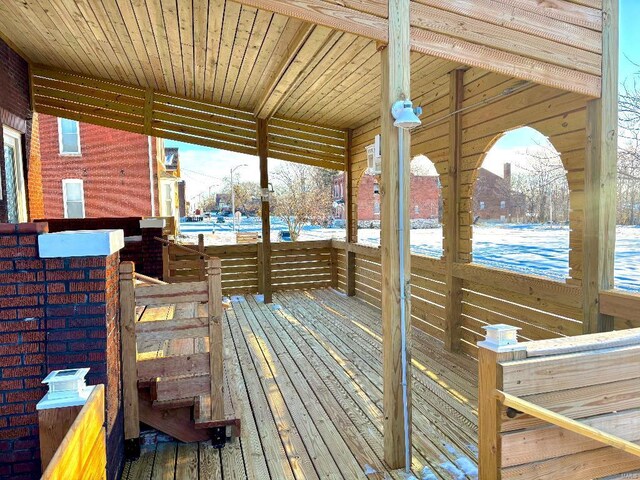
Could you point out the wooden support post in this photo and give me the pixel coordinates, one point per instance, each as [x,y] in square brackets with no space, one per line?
[216,353]
[453,305]
[129,359]
[395,63]
[352,217]
[202,267]
[600,179]
[489,409]
[166,273]
[263,153]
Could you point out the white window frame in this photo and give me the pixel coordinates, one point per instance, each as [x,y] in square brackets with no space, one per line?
[70,154]
[66,182]
[503,204]
[21,192]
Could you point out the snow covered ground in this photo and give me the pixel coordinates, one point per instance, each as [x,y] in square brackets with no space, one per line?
[532,249]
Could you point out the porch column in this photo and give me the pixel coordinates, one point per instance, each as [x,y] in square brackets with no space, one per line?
[395,63]
[351,217]
[453,305]
[600,179]
[263,153]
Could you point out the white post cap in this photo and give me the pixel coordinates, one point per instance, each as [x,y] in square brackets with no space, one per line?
[80,243]
[67,388]
[501,338]
[153,223]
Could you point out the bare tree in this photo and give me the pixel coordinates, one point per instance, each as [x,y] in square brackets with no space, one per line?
[628,210]
[302,196]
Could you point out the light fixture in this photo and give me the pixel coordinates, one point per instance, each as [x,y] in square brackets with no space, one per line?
[406,116]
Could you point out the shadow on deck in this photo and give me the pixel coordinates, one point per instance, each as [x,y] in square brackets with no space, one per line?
[305,377]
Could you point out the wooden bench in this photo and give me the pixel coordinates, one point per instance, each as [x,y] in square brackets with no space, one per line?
[247,237]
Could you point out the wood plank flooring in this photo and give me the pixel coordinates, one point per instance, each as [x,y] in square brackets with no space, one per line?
[305,376]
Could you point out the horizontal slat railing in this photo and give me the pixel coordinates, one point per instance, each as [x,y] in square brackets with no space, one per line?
[560,408]
[541,308]
[294,265]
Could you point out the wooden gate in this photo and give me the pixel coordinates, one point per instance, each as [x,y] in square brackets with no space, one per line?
[192,382]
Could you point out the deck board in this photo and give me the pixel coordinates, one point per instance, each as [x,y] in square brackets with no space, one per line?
[305,378]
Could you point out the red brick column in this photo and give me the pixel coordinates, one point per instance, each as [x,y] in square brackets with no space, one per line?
[22,349]
[57,311]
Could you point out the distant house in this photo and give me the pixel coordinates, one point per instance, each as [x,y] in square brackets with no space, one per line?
[493,198]
[94,171]
[424,201]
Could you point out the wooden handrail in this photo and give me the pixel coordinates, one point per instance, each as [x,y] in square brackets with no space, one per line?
[567,423]
[182,247]
[146,279]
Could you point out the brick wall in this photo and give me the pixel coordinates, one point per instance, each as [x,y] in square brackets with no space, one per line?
[424,198]
[114,166]
[22,349]
[15,111]
[55,313]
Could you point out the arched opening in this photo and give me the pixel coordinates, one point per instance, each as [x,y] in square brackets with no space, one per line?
[425,208]
[520,206]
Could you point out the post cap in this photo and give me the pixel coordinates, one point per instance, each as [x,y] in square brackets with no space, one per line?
[67,388]
[501,337]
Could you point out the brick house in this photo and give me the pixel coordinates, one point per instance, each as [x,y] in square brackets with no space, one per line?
[20,181]
[94,171]
[493,197]
[425,197]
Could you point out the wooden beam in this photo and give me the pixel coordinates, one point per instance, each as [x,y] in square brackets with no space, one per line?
[453,305]
[351,212]
[395,64]
[129,357]
[263,153]
[272,96]
[600,179]
[361,21]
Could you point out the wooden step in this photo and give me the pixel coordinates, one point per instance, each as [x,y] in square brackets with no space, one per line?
[202,416]
[176,422]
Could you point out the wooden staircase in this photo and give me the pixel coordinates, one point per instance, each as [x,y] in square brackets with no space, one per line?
[172,349]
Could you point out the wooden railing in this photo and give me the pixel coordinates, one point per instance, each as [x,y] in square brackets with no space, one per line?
[82,451]
[541,308]
[294,265]
[560,408]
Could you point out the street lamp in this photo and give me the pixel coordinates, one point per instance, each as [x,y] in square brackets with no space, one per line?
[233,196]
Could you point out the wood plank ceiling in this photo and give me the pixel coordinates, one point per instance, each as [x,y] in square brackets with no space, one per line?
[265,63]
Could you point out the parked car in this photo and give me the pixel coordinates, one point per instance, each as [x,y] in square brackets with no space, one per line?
[220,219]
[284,236]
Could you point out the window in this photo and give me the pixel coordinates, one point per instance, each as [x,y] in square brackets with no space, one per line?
[73,198]
[416,209]
[481,205]
[69,136]
[503,204]
[376,208]
[15,196]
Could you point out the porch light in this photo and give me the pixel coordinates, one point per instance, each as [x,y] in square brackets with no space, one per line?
[501,335]
[406,116]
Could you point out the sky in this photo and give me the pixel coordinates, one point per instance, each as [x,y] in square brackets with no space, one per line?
[205,167]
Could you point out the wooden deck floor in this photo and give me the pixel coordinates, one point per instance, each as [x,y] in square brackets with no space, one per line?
[305,375]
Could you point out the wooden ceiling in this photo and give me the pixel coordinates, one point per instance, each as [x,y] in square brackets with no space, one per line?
[271,64]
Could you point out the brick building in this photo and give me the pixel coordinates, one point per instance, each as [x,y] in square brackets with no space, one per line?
[20,187]
[425,197]
[94,171]
[493,198]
